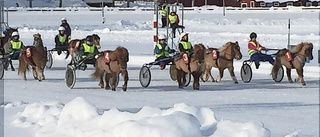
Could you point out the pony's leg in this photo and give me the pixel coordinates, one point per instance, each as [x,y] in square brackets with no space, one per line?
[231,70]
[300,74]
[125,76]
[209,72]
[220,74]
[12,68]
[196,83]
[107,78]
[179,78]
[40,73]
[288,70]
[35,74]
[101,84]
[114,79]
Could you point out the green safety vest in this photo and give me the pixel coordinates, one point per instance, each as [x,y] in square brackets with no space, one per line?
[252,51]
[186,45]
[87,48]
[165,53]
[173,19]
[16,45]
[164,10]
[62,38]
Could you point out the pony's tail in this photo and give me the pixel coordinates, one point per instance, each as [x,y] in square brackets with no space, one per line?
[98,72]
[23,65]
[277,63]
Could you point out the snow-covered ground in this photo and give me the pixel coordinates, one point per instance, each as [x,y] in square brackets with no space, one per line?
[261,108]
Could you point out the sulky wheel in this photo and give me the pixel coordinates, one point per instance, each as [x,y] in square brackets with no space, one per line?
[117,81]
[173,72]
[145,76]
[49,60]
[70,76]
[246,73]
[1,69]
[188,79]
[279,75]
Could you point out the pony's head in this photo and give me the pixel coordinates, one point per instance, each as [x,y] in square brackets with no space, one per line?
[37,39]
[304,48]
[236,50]
[122,56]
[231,50]
[96,40]
[199,52]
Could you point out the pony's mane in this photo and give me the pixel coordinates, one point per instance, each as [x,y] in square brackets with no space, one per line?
[224,47]
[298,48]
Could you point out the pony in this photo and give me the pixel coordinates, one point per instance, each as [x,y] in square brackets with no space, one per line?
[193,64]
[6,38]
[76,43]
[110,64]
[35,56]
[222,58]
[294,59]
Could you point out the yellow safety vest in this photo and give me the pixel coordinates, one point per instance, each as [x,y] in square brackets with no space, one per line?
[165,53]
[87,48]
[16,45]
[186,45]
[252,51]
[164,10]
[62,38]
[173,19]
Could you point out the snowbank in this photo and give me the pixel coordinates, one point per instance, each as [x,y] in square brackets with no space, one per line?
[82,119]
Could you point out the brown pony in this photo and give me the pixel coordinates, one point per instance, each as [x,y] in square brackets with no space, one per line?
[35,56]
[298,56]
[195,66]
[222,58]
[75,44]
[110,64]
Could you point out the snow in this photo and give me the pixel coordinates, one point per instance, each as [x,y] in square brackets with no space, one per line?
[261,108]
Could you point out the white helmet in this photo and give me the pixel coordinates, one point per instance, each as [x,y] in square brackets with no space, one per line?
[162,36]
[61,28]
[183,34]
[15,34]
[63,19]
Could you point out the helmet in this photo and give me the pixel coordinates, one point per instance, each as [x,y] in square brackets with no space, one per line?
[15,34]
[61,28]
[63,19]
[162,36]
[89,38]
[253,35]
[183,34]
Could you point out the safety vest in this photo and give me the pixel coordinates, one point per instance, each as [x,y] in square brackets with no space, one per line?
[87,48]
[165,53]
[164,10]
[252,51]
[186,45]
[173,19]
[63,38]
[16,45]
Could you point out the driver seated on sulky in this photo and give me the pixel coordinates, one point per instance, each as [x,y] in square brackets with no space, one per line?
[87,51]
[162,51]
[15,46]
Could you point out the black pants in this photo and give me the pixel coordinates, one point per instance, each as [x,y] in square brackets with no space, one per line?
[164,21]
[174,26]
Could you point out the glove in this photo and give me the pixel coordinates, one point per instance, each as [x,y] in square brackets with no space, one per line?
[173,51]
[259,48]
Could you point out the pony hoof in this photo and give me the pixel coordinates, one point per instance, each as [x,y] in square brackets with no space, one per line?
[107,88]
[124,89]
[236,82]
[303,84]
[13,70]
[101,86]
[113,89]
[196,88]
[181,87]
